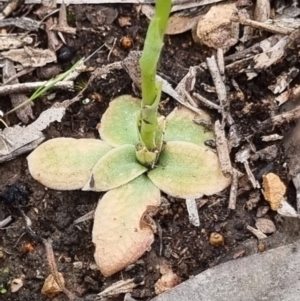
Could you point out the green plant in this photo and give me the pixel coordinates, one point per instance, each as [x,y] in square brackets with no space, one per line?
[47,86]
[3,275]
[140,155]
[150,131]
[71,20]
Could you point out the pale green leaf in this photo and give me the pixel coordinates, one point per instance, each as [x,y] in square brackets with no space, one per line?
[187,170]
[181,127]
[65,163]
[121,234]
[119,122]
[116,168]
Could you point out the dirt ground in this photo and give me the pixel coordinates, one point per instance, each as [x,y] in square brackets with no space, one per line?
[185,248]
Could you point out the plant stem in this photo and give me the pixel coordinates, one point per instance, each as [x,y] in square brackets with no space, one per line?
[151,90]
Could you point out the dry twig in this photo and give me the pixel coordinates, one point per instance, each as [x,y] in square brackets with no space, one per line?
[280,119]
[117,288]
[242,156]
[24,23]
[192,209]
[24,113]
[220,61]
[62,25]
[259,25]
[9,8]
[207,103]
[256,232]
[54,271]
[222,149]
[259,47]
[29,87]
[5,222]
[233,190]
[19,74]
[220,88]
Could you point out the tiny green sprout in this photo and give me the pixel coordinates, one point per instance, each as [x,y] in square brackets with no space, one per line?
[2,289]
[3,275]
[1,119]
[80,85]
[140,154]
[71,18]
[46,87]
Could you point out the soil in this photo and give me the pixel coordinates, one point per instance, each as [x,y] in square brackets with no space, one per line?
[185,248]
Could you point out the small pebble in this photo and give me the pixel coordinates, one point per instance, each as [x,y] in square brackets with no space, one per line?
[216,239]
[127,42]
[16,284]
[261,247]
[50,287]
[93,267]
[77,265]
[65,54]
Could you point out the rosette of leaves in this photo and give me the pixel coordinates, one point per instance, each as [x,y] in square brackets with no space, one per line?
[186,168]
[140,155]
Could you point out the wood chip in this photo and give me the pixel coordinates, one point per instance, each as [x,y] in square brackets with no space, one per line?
[287,210]
[233,190]
[167,281]
[222,149]
[24,23]
[256,232]
[265,225]
[283,80]
[119,287]
[50,287]
[13,41]
[192,209]
[262,10]
[30,57]
[17,140]
[262,210]
[274,190]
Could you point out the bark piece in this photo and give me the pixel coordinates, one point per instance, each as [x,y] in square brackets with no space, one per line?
[24,113]
[30,57]
[274,190]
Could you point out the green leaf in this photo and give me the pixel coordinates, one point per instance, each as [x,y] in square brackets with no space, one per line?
[181,127]
[120,234]
[65,163]
[119,122]
[116,168]
[186,170]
